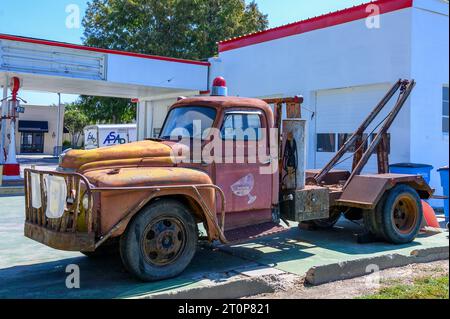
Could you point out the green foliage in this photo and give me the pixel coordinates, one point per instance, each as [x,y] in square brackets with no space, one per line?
[423,288]
[75,121]
[186,29]
[106,110]
[177,28]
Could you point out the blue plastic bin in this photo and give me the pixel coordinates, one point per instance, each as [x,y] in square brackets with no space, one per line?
[444,182]
[413,169]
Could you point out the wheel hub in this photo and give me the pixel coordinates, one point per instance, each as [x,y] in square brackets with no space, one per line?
[405,214]
[163,241]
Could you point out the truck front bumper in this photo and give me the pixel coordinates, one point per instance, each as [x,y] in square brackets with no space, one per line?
[75,229]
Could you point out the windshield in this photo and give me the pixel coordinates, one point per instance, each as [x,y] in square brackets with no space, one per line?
[188,122]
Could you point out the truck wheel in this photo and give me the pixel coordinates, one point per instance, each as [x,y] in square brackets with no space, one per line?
[328,223]
[400,216]
[370,222]
[160,241]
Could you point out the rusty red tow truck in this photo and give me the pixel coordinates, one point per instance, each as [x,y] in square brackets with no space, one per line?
[146,199]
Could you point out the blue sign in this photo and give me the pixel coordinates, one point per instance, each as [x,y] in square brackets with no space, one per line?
[113,138]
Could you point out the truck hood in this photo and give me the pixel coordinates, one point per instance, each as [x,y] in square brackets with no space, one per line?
[127,154]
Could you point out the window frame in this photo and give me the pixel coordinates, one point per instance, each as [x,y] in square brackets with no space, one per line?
[261,122]
[187,106]
[335,143]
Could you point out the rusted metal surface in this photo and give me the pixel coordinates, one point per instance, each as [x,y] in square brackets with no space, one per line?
[60,240]
[310,203]
[285,100]
[76,228]
[359,142]
[357,136]
[216,230]
[121,180]
[63,233]
[77,185]
[383,155]
[406,87]
[222,103]
[365,191]
[334,177]
[75,159]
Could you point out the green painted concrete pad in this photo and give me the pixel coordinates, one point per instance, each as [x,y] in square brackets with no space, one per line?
[31,270]
[296,251]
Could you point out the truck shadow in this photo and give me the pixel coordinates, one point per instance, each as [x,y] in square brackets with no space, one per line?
[298,249]
[294,251]
[102,278]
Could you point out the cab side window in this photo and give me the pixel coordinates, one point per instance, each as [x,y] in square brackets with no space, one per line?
[241,127]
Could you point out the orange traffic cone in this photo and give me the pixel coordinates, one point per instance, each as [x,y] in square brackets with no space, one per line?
[429,215]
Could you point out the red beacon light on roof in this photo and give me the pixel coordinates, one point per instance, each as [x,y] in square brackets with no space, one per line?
[219,87]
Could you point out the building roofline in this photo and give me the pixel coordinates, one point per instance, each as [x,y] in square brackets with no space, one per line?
[315,23]
[100,50]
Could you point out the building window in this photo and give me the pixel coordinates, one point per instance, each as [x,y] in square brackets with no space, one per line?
[344,137]
[445,112]
[32,142]
[326,143]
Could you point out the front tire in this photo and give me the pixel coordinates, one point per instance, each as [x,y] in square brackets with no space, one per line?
[160,241]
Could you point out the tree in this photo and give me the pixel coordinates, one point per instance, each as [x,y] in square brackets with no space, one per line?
[177,28]
[106,110]
[75,121]
[186,29]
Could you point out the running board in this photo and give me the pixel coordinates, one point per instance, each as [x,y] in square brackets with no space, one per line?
[244,234]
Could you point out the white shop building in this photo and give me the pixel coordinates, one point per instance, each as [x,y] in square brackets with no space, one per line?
[343,63]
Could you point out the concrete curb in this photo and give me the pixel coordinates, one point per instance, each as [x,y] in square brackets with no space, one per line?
[229,290]
[356,268]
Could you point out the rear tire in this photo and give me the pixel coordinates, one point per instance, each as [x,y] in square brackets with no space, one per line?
[372,221]
[160,241]
[399,216]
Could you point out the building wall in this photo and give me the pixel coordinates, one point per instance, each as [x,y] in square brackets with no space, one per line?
[43,113]
[430,68]
[345,56]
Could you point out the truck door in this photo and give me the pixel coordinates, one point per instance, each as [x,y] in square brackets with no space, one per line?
[246,189]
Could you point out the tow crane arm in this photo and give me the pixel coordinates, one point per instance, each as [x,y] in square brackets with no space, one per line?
[380,142]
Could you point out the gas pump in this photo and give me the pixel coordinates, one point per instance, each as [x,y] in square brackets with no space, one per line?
[11,168]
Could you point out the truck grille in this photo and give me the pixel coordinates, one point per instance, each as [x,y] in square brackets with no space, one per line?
[77,223]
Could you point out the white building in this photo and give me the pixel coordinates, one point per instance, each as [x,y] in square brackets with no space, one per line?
[343,63]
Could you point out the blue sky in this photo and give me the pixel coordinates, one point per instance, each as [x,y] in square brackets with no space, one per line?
[46,19]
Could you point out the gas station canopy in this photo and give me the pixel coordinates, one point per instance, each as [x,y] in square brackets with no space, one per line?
[74,69]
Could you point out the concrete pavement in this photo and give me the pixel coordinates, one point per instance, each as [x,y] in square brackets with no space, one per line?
[31,270]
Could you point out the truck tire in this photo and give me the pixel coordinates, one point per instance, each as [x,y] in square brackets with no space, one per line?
[399,216]
[328,223]
[159,242]
[372,220]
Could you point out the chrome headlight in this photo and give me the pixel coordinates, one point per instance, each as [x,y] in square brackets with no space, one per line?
[61,156]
